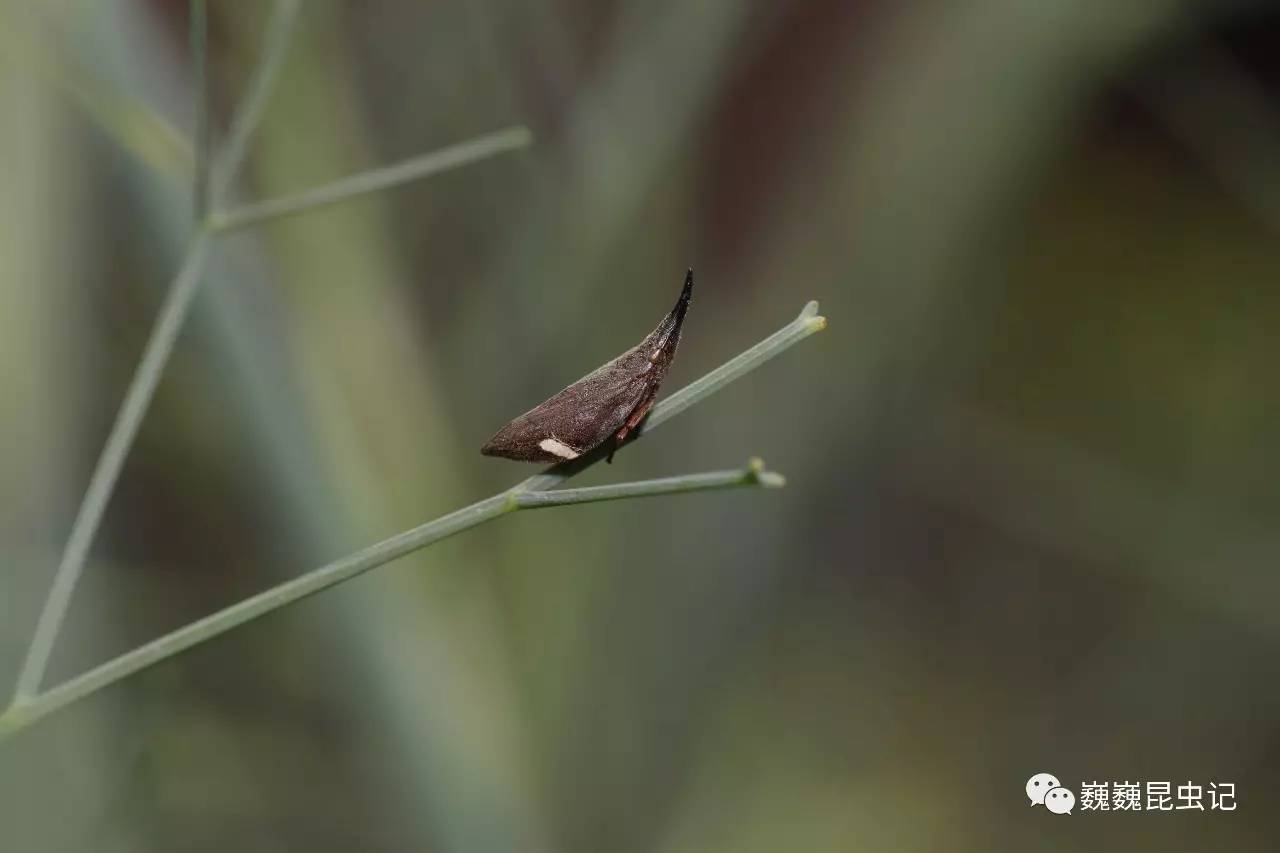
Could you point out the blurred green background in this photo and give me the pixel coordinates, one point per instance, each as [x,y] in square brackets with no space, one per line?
[1033,467]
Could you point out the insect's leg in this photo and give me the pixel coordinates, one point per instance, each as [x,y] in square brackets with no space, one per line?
[619,437]
[633,420]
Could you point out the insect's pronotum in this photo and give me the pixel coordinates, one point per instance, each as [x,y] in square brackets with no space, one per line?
[609,402]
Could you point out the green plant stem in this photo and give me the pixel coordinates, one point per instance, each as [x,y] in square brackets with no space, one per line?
[199,41]
[125,429]
[146,377]
[250,110]
[415,168]
[28,711]
[156,355]
[177,304]
[30,707]
[665,486]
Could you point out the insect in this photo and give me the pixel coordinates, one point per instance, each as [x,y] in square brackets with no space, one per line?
[609,402]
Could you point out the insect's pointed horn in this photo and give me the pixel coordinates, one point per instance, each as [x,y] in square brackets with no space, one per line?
[686,295]
[670,325]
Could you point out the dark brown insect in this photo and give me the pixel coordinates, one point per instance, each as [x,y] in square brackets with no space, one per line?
[608,402]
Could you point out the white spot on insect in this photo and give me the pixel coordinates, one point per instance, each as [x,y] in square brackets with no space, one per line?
[654,356]
[556,447]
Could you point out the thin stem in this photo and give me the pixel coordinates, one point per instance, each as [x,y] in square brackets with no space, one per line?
[27,712]
[751,476]
[136,400]
[173,315]
[251,109]
[28,708]
[805,324]
[374,180]
[199,40]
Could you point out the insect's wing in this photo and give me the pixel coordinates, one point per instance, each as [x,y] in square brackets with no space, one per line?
[579,418]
